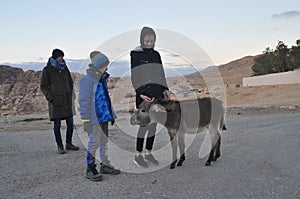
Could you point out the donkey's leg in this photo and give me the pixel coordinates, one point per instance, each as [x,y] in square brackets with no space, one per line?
[181,143]
[210,157]
[214,136]
[218,145]
[217,148]
[173,139]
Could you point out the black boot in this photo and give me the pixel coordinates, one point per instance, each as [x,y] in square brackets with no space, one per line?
[70,146]
[61,149]
[92,173]
[107,168]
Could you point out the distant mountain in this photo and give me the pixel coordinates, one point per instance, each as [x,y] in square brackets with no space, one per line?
[73,65]
[116,69]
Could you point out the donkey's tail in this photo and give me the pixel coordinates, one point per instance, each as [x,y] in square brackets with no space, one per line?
[222,124]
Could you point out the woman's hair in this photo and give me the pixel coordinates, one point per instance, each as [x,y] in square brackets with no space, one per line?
[146,31]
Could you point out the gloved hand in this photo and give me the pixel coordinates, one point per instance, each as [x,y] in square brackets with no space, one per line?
[87,126]
[112,122]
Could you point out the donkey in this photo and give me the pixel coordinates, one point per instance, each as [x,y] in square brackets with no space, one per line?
[188,116]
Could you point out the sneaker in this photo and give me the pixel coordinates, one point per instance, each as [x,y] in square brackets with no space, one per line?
[140,162]
[107,168]
[61,149]
[150,158]
[70,146]
[92,173]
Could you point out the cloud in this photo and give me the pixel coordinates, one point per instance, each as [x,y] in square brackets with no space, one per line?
[287,14]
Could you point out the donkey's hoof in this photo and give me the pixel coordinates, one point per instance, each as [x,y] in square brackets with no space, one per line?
[216,157]
[180,163]
[207,164]
[172,166]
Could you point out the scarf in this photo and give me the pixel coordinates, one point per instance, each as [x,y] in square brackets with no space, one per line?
[59,65]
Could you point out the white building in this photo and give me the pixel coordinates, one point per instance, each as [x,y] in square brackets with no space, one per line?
[290,77]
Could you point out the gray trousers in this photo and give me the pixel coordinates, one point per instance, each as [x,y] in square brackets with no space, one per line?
[98,138]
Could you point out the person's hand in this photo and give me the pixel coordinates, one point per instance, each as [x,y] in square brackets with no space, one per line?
[87,126]
[112,122]
[49,98]
[147,99]
[167,95]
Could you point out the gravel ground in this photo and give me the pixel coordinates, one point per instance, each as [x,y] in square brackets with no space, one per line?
[260,159]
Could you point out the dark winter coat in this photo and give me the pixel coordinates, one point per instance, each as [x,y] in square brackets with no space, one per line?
[147,74]
[57,86]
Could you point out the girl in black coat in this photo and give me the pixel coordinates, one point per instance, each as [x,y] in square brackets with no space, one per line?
[149,82]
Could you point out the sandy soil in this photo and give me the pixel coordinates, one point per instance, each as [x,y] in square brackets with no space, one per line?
[260,159]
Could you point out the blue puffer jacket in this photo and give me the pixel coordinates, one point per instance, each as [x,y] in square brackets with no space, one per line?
[94,101]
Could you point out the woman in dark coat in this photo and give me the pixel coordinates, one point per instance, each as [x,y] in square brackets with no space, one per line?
[57,86]
[149,82]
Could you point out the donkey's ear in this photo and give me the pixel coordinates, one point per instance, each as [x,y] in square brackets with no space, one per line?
[158,108]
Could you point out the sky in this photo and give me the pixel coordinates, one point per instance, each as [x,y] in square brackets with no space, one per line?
[225,30]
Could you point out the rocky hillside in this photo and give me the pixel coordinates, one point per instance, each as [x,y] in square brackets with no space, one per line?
[232,73]
[20,91]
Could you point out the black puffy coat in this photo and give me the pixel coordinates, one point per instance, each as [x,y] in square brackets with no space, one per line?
[147,74]
[57,86]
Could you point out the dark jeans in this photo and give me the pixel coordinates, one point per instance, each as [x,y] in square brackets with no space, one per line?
[150,137]
[57,125]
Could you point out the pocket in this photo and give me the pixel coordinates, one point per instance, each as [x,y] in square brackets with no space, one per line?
[58,100]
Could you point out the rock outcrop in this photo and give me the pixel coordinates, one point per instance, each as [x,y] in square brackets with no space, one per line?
[20,91]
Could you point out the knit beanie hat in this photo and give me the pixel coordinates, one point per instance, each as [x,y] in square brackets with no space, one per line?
[57,53]
[98,60]
[146,31]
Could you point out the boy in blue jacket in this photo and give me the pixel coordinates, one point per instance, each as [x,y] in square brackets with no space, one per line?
[96,111]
